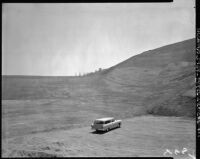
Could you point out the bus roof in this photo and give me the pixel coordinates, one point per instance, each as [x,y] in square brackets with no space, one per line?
[105,119]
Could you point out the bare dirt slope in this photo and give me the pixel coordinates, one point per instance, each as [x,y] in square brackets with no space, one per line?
[139,136]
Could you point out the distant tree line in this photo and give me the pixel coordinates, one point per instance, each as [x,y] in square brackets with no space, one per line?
[85,74]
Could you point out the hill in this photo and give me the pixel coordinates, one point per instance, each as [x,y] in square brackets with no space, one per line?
[160,82]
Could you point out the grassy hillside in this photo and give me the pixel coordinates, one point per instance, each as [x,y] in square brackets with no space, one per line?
[159,82]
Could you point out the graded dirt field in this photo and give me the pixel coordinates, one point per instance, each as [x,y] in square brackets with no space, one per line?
[139,136]
[159,82]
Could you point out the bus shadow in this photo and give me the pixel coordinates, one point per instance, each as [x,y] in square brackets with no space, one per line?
[99,132]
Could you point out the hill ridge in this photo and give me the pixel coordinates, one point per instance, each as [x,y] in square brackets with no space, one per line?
[163,78]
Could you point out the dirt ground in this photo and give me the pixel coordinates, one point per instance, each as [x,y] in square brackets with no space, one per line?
[139,136]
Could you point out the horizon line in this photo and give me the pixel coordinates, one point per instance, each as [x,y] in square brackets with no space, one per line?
[89,73]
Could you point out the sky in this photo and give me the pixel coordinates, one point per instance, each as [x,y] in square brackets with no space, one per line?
[71,38]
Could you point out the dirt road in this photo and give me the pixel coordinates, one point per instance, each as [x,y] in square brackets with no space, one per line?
[139,136]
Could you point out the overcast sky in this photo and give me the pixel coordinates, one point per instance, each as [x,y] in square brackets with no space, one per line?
[64,39]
